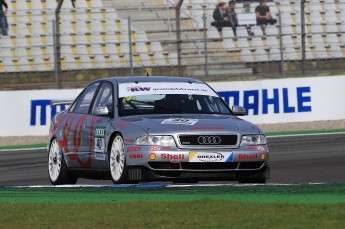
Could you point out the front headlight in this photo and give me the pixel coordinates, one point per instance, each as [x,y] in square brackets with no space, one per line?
[250,140]
[155,140]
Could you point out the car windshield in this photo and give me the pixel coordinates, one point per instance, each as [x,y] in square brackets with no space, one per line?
[171,104]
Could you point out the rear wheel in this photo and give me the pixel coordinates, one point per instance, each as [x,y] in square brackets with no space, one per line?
[259,178]
[117,161]
[57,168]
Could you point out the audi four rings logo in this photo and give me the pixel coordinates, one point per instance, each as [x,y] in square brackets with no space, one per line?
[209,140]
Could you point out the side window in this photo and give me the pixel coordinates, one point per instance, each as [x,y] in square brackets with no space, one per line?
[83,104]
[104,97]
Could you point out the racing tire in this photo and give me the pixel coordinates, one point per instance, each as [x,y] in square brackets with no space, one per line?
[259,178]
[117,161]
[57,167]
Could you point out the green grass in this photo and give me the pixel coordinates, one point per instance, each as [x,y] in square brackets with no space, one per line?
[263,206]
[191,214]
[40,145]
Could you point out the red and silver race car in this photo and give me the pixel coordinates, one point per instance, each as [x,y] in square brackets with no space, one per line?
[133,129]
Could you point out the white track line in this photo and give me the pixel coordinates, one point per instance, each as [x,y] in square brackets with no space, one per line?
[167,186]
[23,149]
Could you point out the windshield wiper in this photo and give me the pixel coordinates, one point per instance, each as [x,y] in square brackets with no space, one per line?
[159,106]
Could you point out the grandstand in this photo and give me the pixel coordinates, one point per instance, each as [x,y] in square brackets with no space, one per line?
[94,36]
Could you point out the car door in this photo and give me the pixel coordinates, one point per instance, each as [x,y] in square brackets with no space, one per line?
[77,126]
[98,130]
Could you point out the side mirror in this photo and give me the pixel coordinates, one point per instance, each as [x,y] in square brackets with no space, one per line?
[238,110]
[101,111]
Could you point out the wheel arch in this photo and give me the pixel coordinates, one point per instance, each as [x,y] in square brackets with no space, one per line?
[111,138]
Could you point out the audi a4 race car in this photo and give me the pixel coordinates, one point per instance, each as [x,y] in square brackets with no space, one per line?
[134,129]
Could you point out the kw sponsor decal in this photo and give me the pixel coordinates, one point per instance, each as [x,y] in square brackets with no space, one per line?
[180,121]
[133,149]
[99,148]
[210,157]
[155,148]
[138,88]
[135,156]
[169,156]
[243,156]
[165,148]
[250,147]
[129,140]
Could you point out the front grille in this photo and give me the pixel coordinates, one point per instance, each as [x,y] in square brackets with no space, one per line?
[194,166]
[208,140]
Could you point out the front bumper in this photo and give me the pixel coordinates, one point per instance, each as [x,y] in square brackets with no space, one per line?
[159,163]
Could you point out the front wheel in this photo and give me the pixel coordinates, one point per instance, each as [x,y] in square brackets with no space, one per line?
[117,161]
[57,168]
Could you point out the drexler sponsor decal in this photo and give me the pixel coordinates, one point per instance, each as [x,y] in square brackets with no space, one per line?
[210,157]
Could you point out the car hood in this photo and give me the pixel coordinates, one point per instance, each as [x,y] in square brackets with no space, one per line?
[197,124]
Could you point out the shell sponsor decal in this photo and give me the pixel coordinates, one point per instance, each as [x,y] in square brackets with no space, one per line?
[210,157]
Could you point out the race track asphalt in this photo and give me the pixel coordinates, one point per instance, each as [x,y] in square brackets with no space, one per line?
[294,159]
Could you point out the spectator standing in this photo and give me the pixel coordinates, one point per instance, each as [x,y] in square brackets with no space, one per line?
[246,10]
[232,16]
[219,15]
[3,19]
[264,16]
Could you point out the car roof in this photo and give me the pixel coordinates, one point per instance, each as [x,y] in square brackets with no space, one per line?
[139,79]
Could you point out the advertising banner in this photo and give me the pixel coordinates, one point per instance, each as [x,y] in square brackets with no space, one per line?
[28,113]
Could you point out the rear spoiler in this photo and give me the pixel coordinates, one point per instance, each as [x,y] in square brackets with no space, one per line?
[61,102]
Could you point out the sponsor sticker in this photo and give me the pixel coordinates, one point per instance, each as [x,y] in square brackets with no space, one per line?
[155,148]
[210,157]
[129,140]
[133,149]
[180,121]
[135,156]
[99,148]
[174,157]
[144,88]
[260,148]
[243,156]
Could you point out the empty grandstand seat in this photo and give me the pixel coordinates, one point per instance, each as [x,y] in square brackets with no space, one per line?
[321,52]
[212,33]
[257,42]
[159,59]
[246,55]
[260,55]
[156,46]
[100,62]
[172,58]
[242,42]
[335,51]
[228,43]
[275,54]
[290,54]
